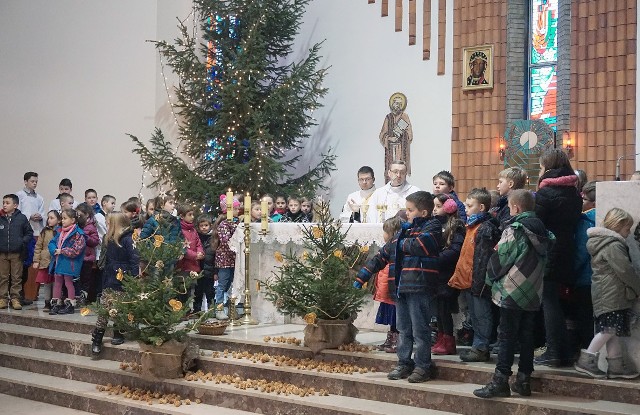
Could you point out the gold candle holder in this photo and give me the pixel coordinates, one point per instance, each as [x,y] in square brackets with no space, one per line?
[247,319]
[381,212]
[233,313]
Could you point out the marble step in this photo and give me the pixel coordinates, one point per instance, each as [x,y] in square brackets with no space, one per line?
[61,368]
[546,380]
[83,397]
[372,388]
[20,406]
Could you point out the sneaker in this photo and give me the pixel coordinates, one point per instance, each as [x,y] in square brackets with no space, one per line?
[418,376]
[475,355]
[3,303]
[15,304]
[400,372]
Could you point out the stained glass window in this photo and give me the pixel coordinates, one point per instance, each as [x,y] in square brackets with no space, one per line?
[543,61]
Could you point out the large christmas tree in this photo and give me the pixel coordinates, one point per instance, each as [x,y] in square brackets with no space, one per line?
[244,108]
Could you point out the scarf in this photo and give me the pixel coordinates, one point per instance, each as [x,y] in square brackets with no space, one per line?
[64,233]
[477,218]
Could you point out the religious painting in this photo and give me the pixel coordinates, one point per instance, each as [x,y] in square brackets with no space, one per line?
[477,67]
[396,134]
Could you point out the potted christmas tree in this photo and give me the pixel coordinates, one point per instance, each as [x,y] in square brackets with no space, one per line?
[317,284]
[149,310]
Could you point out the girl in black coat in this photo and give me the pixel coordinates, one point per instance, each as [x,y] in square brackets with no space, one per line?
[558,205]
[446,210]
[121,254]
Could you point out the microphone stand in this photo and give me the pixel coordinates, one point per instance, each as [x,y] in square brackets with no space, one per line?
[618,164]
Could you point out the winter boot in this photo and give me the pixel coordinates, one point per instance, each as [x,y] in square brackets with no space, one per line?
[438,342]
[588,364]
[68,308]
[56,306]
[96,343]
[47,306]
[387,342]
[621,368]
[522,384]
[497,388]
[118,337]
[393,347]
[447,345]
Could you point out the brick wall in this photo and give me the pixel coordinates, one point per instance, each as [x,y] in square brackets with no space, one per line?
[478,116]
[596,85]
[603,85]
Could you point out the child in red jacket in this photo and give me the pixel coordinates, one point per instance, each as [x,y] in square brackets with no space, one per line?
[193,246]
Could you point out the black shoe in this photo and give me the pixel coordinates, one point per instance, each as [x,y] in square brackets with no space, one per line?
[475,355]
[400,372]
[547,359]
[418,376]
[47,306]
[68,308]
[497,388]
[118,338]
[24,301]
[522,384]
[96,343]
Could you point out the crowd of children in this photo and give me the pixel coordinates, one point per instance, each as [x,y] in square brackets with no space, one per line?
[525,266]
[528,265]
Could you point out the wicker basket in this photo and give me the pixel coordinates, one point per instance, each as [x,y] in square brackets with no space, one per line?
[213,329]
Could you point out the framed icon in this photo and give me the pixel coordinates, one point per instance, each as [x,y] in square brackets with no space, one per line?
[477,67]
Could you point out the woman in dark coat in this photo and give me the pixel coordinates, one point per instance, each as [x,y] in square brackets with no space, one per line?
[558,205]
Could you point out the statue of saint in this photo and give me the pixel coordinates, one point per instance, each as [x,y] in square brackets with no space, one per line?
[396,134]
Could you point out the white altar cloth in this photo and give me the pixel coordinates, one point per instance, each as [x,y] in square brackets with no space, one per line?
[283,237]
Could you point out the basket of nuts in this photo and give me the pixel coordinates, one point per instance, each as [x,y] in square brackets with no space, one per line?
[213,328]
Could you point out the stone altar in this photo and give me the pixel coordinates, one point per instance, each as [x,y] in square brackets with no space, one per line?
[285,237]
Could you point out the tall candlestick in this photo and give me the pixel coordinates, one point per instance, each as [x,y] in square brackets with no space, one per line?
[264,211]
[247,208]
[229,201]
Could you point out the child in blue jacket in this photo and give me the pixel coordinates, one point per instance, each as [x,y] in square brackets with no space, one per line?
[413,257]
[67,253]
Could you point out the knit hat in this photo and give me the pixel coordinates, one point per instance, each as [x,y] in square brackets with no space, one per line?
[223,203]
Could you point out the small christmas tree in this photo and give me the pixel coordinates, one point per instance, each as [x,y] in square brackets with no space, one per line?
[318,284]
[148,309]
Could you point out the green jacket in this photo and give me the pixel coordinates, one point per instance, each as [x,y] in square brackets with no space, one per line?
[516,270]
[614,284]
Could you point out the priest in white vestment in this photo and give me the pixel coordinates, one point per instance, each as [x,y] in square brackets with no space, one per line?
[386,201]
[356,207]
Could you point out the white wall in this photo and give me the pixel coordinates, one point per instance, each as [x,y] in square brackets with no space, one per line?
[75,77]
[369,62]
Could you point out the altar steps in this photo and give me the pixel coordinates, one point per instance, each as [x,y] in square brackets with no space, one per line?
[28,352]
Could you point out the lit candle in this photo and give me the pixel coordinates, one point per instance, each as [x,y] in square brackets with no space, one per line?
[247,208]
[264,210]
[229,201]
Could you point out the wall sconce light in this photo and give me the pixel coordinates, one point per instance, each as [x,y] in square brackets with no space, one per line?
[502,151]
[568,145]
